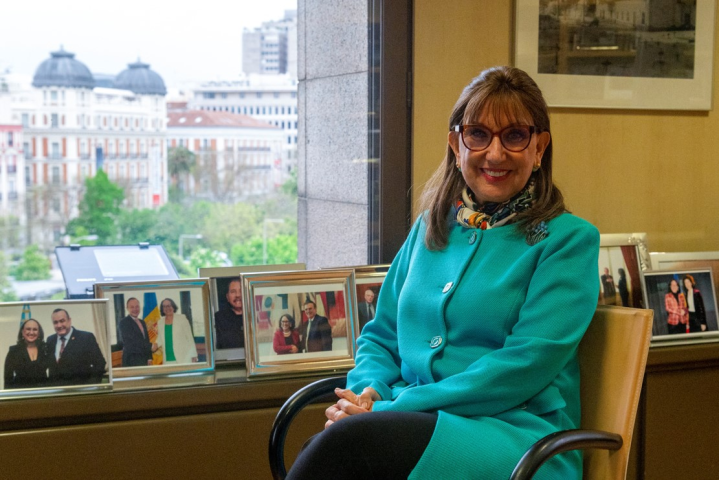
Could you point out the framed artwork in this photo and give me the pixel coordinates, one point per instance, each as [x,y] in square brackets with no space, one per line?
[618,54]
[299,322]
[54,347]
[158,327]
[368,281]
[687,261]
[684,304]
[620,270]
[227,308]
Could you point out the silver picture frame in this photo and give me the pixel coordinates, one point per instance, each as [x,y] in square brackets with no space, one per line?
[276,298]
[79,365]
[191,332]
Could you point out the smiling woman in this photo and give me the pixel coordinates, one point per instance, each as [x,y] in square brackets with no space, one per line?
[477,295]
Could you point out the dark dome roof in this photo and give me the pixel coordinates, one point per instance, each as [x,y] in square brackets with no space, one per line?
[62,70]
[141,80]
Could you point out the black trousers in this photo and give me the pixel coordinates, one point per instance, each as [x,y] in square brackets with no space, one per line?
[376,445]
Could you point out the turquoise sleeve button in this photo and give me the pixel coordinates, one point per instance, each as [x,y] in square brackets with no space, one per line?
[473,238]
[447,287]
[435,342]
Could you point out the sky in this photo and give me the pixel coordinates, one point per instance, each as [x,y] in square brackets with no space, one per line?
[183,42]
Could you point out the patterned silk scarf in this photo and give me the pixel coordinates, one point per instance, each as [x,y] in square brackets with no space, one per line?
[491,215]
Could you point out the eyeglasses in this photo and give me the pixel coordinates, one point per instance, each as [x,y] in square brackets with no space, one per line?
[514,138]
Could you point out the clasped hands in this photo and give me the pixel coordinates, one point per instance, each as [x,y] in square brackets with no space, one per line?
[350,403]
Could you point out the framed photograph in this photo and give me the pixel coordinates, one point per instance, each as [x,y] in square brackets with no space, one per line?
[226,300]
[687,261]
[54,347]
[299,322]
[158,327]
[618,54]
[368,281]
[684,304]
[620,270]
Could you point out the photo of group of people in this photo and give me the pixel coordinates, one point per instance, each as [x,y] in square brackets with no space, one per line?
[683,302]
[53,344]
[620,278]
[157,325]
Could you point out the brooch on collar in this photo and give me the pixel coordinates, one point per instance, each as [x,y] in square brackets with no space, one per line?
[537,234]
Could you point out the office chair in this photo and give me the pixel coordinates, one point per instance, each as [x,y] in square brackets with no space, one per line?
[612,357]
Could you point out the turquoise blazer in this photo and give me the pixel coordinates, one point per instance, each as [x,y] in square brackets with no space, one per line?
[485,333]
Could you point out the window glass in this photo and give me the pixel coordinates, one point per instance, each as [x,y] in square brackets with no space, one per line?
[196,168]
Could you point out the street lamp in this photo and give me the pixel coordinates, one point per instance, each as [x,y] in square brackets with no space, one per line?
[264,236]
[195,236]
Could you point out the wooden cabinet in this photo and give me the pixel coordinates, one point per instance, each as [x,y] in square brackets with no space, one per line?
[217,430]
[677,429]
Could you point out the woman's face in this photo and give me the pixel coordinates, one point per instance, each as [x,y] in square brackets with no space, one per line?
[674,286]
[495,174]
[285,324]
[167,308]
[688,284]
[30,331]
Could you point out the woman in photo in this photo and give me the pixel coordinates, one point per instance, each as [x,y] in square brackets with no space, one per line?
[676,306]
[27,362]
[695,305]
[286,338]
[472,354]
[174,335]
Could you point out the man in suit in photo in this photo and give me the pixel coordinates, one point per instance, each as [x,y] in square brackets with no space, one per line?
[316,333]
[136,347]
[366,308]
[77,356]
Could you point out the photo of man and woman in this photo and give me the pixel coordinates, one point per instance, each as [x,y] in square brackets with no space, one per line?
[53,344]
[153,326]
[300,325]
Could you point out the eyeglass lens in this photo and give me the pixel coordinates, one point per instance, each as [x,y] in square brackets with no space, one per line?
[514,138]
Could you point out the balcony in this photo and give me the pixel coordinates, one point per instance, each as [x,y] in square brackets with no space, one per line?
[12,196]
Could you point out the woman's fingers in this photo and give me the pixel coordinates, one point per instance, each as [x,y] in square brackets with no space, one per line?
[367,398]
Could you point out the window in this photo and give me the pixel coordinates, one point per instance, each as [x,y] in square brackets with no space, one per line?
[56,205]
[55,175]
[55,151]
[208,95]
[24,120]
[9,139]
[53,95]
[26,150]
[53,120]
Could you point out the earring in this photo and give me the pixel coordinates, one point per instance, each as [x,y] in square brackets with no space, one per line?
[536,167]
[459,168]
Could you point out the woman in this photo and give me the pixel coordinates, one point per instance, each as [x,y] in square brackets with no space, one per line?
[676,306]
[27,362]
[622,287]
[472,354]
[174,335]
[695,305]
[286,338]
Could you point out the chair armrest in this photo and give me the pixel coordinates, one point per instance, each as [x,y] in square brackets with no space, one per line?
[559,442]
[287,413]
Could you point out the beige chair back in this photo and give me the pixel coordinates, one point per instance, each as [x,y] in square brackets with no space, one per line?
[612,357]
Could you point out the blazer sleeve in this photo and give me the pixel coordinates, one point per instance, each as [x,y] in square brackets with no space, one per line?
[97,361]
[699,307]
[559,305]
[377,360]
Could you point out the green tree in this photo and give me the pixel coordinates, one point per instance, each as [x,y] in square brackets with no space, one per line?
[180,163]
[138,225]
[33,265]
[226,225]
[7,294]
[99,209]
[289,188]
[205,258]
[280,249]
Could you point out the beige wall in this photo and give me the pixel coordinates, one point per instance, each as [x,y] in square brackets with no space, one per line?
[623,170]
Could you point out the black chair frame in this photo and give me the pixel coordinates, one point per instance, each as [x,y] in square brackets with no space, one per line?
[527,466]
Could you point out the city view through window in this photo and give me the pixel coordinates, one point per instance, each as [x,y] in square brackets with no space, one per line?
[145,122]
